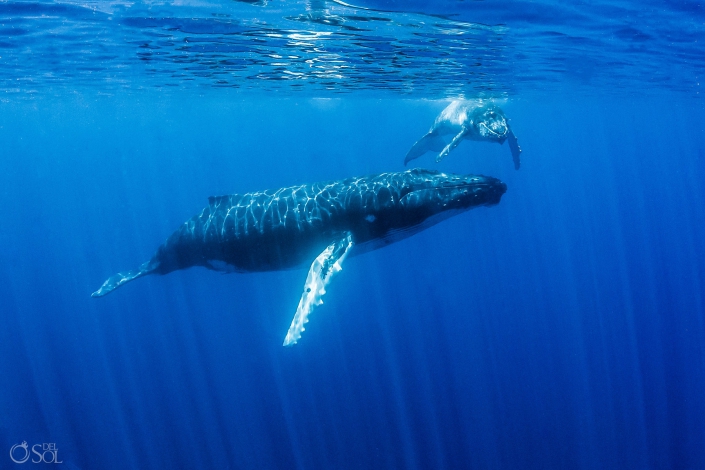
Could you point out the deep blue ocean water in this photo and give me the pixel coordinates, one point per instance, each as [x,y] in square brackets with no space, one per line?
[561,329]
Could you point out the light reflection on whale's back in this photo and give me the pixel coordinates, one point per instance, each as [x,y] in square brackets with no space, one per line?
[284,228]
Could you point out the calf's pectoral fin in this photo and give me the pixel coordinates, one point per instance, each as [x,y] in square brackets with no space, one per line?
[514,147]
[324,267]
[453,143]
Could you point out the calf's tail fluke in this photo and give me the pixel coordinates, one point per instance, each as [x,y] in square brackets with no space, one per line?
[429,142]
[119,279]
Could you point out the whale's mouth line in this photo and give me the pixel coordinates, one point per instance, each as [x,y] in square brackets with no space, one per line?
[462,187]
[473,184]
[493,132]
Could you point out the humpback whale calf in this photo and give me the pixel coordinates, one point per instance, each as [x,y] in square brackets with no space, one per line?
[286,228]
[466,119]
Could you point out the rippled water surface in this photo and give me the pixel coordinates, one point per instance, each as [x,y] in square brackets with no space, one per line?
[443,48]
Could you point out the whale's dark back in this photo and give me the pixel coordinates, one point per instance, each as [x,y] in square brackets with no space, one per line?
[284,228]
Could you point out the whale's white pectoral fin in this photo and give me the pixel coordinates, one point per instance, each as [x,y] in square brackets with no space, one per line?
[324,267]
[453,143]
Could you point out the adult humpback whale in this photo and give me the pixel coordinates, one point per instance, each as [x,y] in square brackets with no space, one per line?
[287,227]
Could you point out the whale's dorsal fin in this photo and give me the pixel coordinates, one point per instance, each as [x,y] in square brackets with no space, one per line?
[324,267]
[214,200]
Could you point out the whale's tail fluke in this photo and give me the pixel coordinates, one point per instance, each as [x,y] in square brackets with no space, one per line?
[119,279]
[428,143]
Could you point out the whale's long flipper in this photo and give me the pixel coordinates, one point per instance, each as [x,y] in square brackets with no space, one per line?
[119,279]
[324,267]
[453,143]
[430,142]
[514,147]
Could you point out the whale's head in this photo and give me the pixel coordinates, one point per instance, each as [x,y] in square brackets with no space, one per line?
[490,123]
[399,205]
[436,192]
